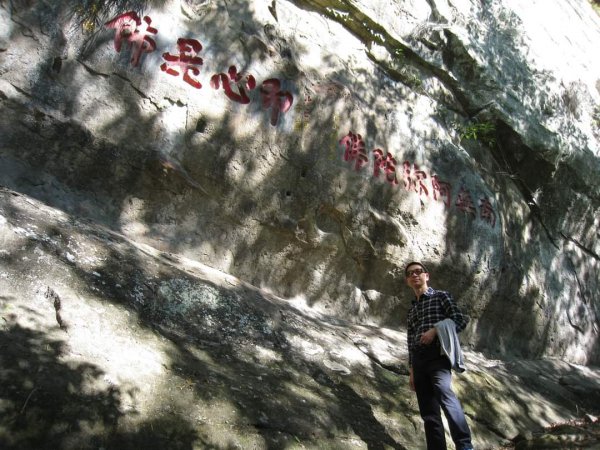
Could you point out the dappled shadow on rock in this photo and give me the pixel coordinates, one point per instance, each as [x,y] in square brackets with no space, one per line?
[233,367]
[357,413]
[47,403]
[288,400]
[162,432]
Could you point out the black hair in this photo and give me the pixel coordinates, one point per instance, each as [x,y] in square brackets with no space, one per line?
[412,264]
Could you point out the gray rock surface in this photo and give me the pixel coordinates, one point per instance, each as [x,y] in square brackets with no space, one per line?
[491,110]
[464,91]
[110,343]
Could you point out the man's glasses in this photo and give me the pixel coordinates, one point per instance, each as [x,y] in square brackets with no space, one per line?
[410,273]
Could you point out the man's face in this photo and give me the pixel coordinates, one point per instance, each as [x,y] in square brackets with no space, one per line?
[416,276]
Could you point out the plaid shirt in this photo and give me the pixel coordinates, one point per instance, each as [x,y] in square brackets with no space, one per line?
[432,307]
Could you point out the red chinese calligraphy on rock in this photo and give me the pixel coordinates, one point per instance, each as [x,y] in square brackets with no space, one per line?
[441,189]
[273,97]
[185,62]
[406,176]
[386,164]
[131,29]
[487,212]
[464,202]
[355,150]
[233,76]
[414,178]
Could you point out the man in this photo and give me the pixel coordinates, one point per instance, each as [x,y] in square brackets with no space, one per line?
[430,369]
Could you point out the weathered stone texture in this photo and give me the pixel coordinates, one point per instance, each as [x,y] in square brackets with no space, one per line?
[484,95]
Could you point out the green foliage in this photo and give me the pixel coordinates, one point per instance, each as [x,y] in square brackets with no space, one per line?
[411,78]
[91,14]
[485,132]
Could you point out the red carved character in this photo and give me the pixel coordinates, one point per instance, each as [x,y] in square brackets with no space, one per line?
[233,76]
[464,202]
[406,176]
[413,179]
[185,62]
[130,28]
[386,164]
[487,212]
[273,97]
[355,150]
[441,189]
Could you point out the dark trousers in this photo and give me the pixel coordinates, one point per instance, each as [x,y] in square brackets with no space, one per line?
[433,376]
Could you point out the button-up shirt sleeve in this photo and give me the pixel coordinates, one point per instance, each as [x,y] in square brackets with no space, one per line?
[432,307]
[453,312]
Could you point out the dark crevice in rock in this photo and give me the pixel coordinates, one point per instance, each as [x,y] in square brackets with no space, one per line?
[581,288]
[482,108]
[175,102]
[402,76]
[435,14]
[397,369]
[412,80]
[574,325]
[529,171]
[201,125]
[582,293]
[92,71]
[104,75]
[487,425]
[57,64]
[29,33]
[370,32]
[21,91]
[583,248]
[138,91]
[468,72]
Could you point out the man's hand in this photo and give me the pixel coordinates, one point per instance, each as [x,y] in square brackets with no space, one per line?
[412,380]
[428,337]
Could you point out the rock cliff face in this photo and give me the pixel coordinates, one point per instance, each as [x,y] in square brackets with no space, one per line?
[106,342]
[313,148]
